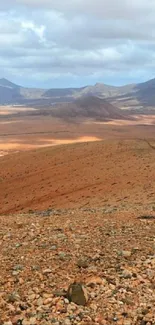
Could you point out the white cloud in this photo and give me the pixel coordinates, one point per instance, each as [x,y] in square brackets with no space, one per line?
[38,30]
[77,38]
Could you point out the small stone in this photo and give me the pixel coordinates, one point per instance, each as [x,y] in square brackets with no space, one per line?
[14,273]
[19,322]
[32,296]
[13,297]
[71,308]
[25,322]
[54,248]
[92,281]
[33,321]
[48,301]
[127,322]
[62,256]
[40,302]
[60,307]
[47,271]
[126,274]
[61,236]
[67,321]
[83,263]
[35,268]
[18,245]
[77,293]
[18,268]
[125,253]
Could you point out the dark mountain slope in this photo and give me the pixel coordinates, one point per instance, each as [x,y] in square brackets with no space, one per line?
[88,107]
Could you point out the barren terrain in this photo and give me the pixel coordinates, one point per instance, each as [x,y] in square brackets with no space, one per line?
[111,252]
[92,174]
[18,133]
[81,212]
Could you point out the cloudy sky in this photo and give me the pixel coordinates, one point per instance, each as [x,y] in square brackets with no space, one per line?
[63,43]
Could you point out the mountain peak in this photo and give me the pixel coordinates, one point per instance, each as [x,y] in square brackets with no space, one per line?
[99,84]
[6,83]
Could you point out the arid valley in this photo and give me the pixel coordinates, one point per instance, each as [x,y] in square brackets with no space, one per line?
[77,207]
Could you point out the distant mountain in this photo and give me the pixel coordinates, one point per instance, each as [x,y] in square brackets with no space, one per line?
[6,83]
[88,107]
[146,93]
[139,97]
[62,92]
[11,93]
[150,84]
[98,89]
[134,96]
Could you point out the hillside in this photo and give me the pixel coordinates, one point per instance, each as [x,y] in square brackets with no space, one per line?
[88,107]
[77,234]
[88,174]
[11,93]
[146,92]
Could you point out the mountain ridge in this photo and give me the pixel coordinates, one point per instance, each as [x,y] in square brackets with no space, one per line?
[126,96]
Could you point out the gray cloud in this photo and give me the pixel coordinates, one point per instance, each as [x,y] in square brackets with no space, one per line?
[102,8]
[79,39]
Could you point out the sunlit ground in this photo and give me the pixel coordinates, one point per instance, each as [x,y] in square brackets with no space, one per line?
[30,132]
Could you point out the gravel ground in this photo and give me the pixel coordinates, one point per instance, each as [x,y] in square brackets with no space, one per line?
[110,252]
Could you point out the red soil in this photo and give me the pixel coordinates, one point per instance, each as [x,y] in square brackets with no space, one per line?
[18,133]
[82,175]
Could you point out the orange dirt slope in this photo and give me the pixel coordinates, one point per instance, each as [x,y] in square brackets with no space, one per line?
[91,174]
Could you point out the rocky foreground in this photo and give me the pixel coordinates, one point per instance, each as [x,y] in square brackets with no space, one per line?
[108,255]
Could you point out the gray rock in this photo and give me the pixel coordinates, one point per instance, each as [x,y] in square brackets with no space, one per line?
[18,267]
[62,256]
[13,297]
[83,263]
[77,293]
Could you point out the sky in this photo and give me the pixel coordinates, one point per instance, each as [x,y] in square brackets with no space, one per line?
[72,43]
